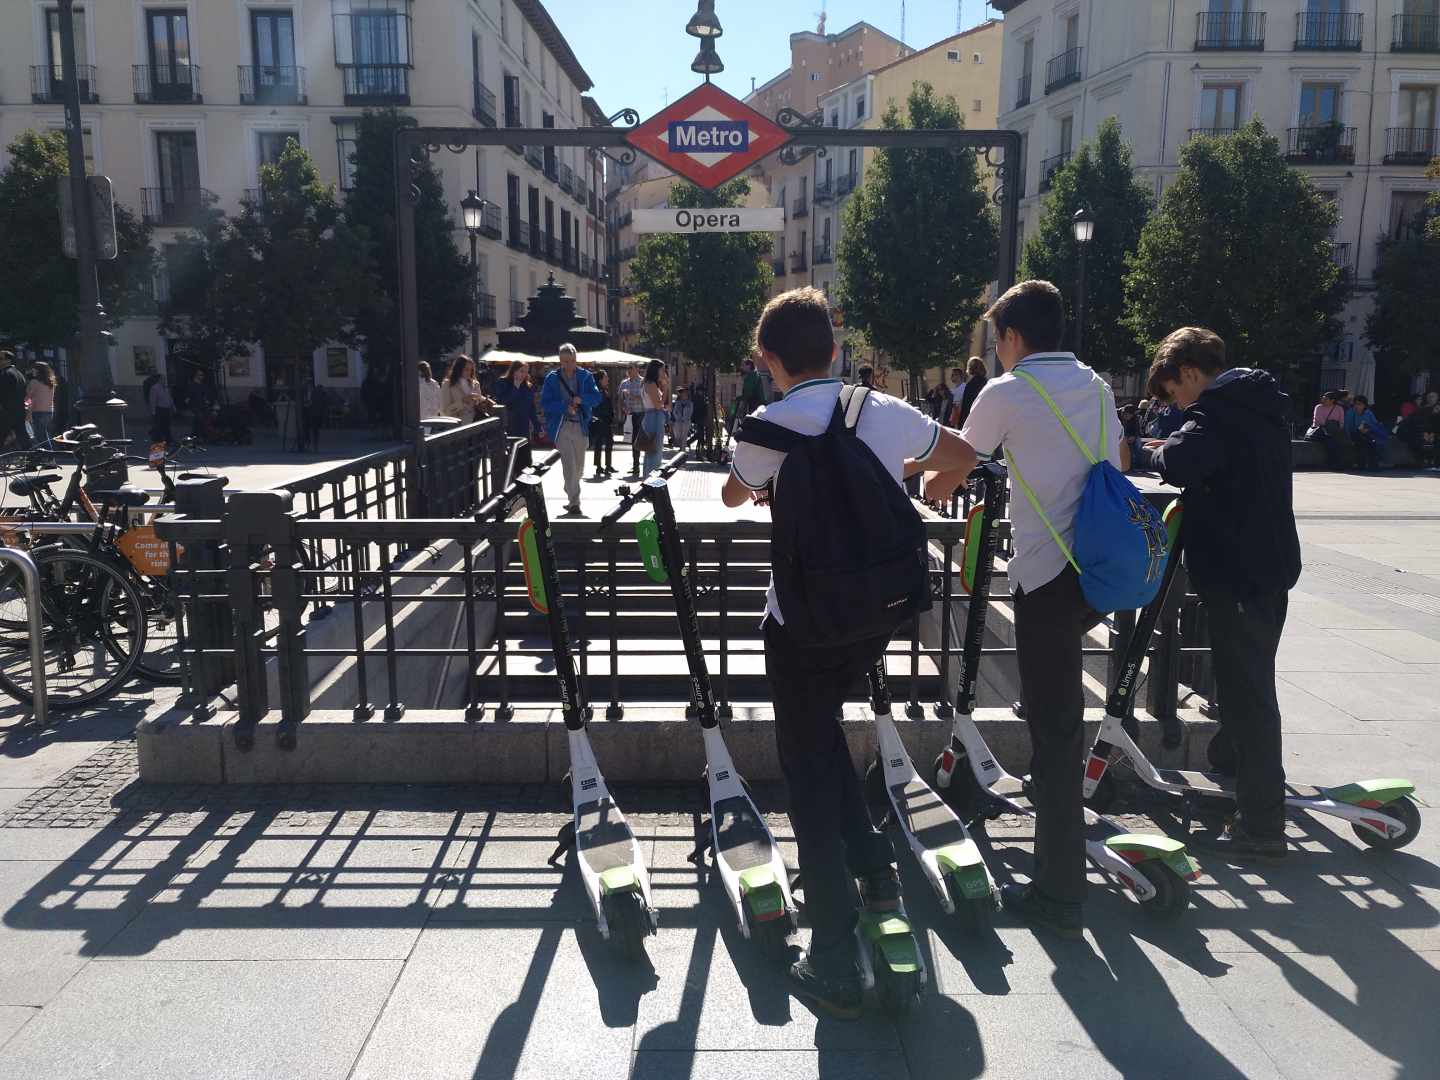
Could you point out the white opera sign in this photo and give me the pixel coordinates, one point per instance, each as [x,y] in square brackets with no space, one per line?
[725,219]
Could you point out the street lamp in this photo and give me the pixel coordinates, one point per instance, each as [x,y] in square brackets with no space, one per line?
[472,214]
[1082,225]
[704,24]
[707,60]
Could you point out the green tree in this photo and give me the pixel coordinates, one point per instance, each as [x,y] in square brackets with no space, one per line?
[39,286]
[195,315]
[918,244]
[1100,178]
[290,273]
[442,274]
[703,293]
[1240,244]
[1404,325]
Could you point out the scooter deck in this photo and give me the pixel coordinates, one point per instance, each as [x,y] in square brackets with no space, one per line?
[741,838]
[1098,829]
[927,817]
[604,836]
[1221,786]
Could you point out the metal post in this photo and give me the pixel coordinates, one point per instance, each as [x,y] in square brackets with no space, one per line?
[408,370]
[31,577]
[211,630]
[1080,308]
[474,302]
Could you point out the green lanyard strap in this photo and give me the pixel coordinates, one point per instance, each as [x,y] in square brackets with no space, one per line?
[1084,449]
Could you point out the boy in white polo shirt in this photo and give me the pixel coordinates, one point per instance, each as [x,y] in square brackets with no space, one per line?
[1051,615]
[832,828]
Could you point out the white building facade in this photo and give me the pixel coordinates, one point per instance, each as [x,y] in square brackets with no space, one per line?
[1350,89]
[186,97]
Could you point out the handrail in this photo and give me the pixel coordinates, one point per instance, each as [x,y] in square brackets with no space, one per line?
[31,575]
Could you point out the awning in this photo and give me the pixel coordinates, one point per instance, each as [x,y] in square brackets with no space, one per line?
[610,358]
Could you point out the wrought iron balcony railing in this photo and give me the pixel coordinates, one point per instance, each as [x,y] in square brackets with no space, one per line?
[47,85]
[485,308]
[824,190]
[1341,30]
[1411,146]
[535,155]
[264,85]
[377,84]
[173,207]
[1230,30]
[1415,33]
[799,263]
[824,254]
[845,183]
[1050,166]
[567,179]
[1062,70]
[167,85]
[484,109]
[1022,89]
[1212,132]
[801,207]
[490,222]
[1323,144]
[519,237]
[517,311]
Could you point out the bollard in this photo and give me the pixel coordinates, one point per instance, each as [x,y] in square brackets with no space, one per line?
[210,627]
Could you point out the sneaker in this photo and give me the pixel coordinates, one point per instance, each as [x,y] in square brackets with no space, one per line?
[1237,844]
[840,996]
[1042,913]
[880,891]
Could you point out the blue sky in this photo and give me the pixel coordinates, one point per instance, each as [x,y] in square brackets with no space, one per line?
[637,50]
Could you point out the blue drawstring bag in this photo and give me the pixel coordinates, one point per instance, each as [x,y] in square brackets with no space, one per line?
[1121,543]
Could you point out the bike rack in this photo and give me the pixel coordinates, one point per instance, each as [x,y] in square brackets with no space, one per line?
[31,574]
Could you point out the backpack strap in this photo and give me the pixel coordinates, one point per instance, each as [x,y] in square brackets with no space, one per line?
[852,404]
[771,436]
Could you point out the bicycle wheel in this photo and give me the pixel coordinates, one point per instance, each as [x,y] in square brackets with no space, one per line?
[92,629]
[160,662]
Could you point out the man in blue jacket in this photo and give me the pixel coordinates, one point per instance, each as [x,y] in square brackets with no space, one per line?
[569,396]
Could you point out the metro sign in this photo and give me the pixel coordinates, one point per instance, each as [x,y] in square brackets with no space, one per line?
[708,136]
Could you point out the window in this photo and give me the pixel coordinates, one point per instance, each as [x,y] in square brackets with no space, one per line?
[1072,33]
[1067,134]
[977,105]
[814,76]
[835,118]
[1407,212]
[512,101]
[52,42]
[505,21]
[1319,104]
[346,132]
[373,34]
[860,107]
[271,144]
[1416,107]
[179,164]
[953,56]
[525,45]
[1220,106]
[1027,57]
[167,43]
[89,139]
[272,43]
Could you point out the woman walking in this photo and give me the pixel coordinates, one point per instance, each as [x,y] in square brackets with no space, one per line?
[429,393]
[460,395]
[656,396]
[41,392]
[602,428]
[517,393]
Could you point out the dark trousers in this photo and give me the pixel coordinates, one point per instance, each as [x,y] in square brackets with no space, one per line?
[160,427]
[1244,635]
[635,419]
[602,441]
[827,808]
[1050,627]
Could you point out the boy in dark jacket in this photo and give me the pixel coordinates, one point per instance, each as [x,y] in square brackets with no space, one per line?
[1232,457]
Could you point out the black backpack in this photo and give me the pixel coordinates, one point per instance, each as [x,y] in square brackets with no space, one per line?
[847,545]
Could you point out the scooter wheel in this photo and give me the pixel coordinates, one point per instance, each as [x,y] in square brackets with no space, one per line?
[897,991]
[772,939]
[1403,808]
[629,925]
[1172,892]
[975,915]
[877,799]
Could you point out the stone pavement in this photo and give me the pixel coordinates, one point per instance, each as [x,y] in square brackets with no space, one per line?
[396,932]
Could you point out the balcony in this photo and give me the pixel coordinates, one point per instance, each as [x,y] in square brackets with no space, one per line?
[552,164]
[845,183]
[1022,89]
[1411,146]
[1062,70]
[624,220]
[176,85]
[1212,132]
[777,266]
[535,156]
[1415,33]
[824,254]
[567,179]
[1230,30]
[801,208]
[517,312]
[569,260]
[265,85]
[519,237]
[174,208]
[484,110]
[1050,166]
[512,120]
[377,84]
[490,222]
[1326,144]
[1340,256]
[581,192]
[47,85]
[798,263]
[824,191]
[485,308]
[1329,30]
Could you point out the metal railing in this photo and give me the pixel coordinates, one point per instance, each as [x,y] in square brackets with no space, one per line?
[1230,30]
[824,254]
[1415,33]
[1340,254]
[567,179]
[1212,132]
[845,183]
[1064,69]
[519,237]
[799,262]
[517,312]
[535,155]
[484,106]
[267,85]
[167,85]
[490,222]
[800,207]
[1329,30]
[1321,144]
[485,308]
[377,84]
[1022,89]
[1411,146]
[552,164]
[173,207]
[1050,166]
[824,190]
[47,85]
[35,628]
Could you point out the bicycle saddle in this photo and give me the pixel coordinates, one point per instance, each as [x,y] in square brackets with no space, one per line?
[125,495]
[29,483]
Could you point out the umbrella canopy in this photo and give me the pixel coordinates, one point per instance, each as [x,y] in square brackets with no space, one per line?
[599,357]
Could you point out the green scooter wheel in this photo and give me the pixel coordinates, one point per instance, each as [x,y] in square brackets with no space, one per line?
[1403,808]
[974,914]
[772,939]
[897,991]
[629,924]
[1172,892]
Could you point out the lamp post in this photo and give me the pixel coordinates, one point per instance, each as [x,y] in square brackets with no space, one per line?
[472,214]
[1082,226]
[705,26]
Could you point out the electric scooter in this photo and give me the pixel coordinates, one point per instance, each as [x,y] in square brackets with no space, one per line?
[751,867]
[1382,813]
[1153,870]
[608,855]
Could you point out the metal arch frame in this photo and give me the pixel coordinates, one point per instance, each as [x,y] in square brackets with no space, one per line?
[415,145]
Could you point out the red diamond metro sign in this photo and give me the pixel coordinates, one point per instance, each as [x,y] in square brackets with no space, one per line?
[708,136]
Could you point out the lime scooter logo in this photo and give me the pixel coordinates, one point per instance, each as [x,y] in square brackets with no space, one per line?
[1157,536]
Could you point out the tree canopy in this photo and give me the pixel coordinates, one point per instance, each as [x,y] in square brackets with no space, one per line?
[1240,244]
[1404,326]
[702,293]
[1099,178]
[918,244]
[39,285]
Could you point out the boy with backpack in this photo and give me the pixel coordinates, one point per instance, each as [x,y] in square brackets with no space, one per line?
[849,568]
[1057,422]
[1232,457]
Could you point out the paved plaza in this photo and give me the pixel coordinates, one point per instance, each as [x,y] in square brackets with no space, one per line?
[388,932]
